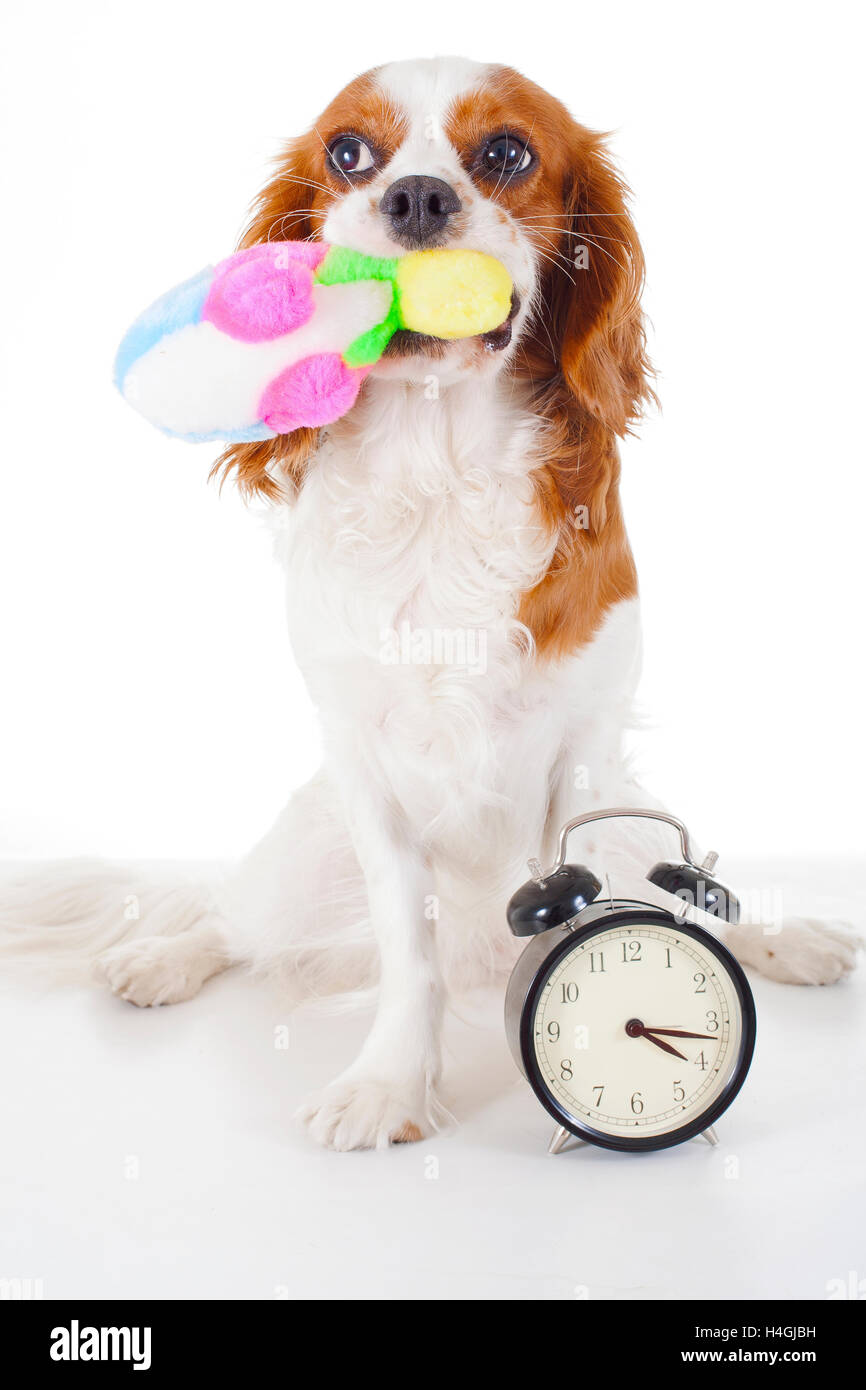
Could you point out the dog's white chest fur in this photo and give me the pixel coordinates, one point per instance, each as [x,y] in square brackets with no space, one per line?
[417,511]
[414,536]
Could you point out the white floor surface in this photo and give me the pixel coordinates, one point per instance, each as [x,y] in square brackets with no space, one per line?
[152,1154]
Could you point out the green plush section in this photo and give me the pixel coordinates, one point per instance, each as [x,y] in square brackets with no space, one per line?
[341,266]
[369,346]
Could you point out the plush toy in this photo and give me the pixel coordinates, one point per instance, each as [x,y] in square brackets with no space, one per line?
[282,335]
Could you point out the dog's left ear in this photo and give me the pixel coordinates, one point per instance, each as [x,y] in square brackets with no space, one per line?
[593,293]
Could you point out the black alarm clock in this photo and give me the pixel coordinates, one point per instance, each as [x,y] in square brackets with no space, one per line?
[632,1023]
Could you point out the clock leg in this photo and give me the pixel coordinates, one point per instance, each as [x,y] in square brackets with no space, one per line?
[710,1135]
[560,1138]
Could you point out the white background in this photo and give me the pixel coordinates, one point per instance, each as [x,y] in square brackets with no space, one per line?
[149,703]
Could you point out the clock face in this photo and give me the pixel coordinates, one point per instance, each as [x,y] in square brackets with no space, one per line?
[638,1030]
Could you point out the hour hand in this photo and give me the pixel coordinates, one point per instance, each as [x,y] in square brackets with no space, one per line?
[635,1029]
[665,1046]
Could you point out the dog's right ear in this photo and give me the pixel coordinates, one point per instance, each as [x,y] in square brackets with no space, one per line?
[593,312]
[293,203]
[291,207]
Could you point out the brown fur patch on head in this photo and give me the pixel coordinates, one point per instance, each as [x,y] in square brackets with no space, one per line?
[293,206]
[583,356]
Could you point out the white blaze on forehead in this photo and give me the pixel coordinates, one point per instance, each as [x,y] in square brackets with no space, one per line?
[423,90]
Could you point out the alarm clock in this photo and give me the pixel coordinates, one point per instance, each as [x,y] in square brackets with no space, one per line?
[632,1023]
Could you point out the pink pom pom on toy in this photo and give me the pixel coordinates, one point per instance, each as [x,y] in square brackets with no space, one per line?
[312,392]
[265,292]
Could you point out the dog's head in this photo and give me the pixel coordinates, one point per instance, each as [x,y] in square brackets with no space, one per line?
[446,152]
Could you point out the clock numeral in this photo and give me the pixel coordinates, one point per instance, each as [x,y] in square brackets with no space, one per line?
[668,965]
[701,1061]
[570,993]
[565,1072]
[637,1103]
[592,959]
[633,951]
[679,1092]
[701,981]
[712,1021]
[553,1031]
[600,1090]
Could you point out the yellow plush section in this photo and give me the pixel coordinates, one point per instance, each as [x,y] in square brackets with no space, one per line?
[452,293]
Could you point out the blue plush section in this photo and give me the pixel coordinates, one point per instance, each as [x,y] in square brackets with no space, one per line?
[250,434]
[172,311]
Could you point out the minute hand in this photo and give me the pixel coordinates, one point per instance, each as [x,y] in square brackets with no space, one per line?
[680,1033]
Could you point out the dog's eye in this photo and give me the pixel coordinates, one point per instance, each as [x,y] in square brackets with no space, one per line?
[349,155]
[506,154]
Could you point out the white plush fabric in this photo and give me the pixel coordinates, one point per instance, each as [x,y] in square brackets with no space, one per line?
[199,381]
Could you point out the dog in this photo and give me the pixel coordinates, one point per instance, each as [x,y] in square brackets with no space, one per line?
[462,601]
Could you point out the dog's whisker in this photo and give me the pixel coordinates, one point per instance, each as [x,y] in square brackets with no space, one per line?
[311,183]
[532,226]
[528,217]
[556,259]
[501,172]
[568,232]
[328,156]
[604,252]
[515,169]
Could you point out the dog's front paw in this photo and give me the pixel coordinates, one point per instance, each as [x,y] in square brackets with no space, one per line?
[804,952]
[362,1112]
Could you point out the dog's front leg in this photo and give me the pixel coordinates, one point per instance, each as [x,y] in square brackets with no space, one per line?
[388,1095]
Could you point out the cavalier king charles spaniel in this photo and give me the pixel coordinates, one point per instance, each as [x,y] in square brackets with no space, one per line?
[462,596]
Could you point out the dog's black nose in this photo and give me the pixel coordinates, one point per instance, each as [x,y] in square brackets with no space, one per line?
[418,209]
